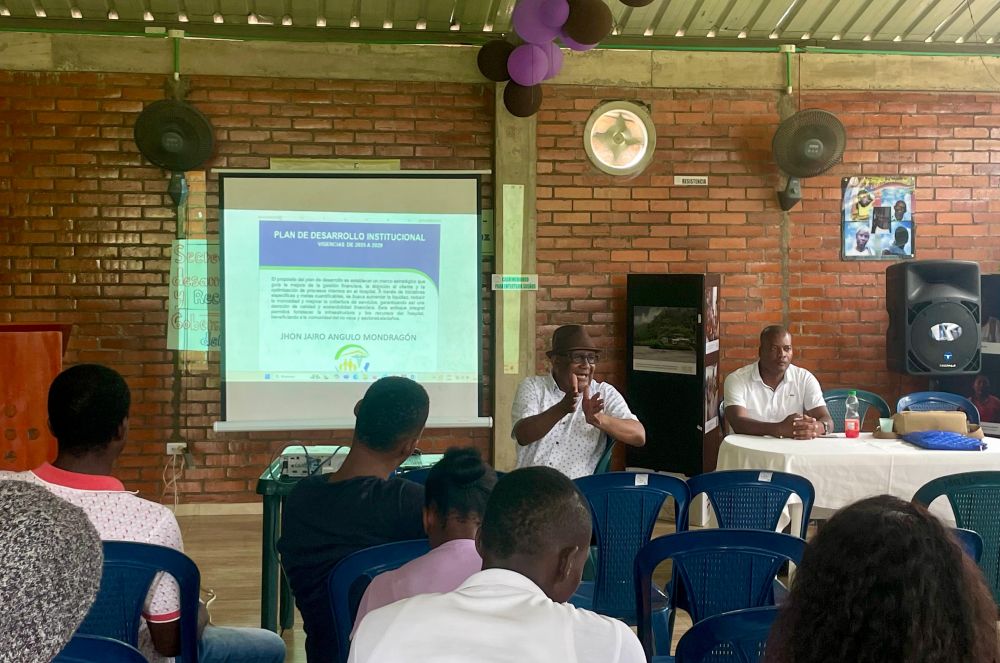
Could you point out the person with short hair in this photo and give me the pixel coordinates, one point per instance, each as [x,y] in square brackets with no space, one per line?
[563,419]
[455,496]
[534,541]
[883,581]
[861,246]
[987,404]
[774,397]
[50,570]
[88,407]
[328,517]
[898,248]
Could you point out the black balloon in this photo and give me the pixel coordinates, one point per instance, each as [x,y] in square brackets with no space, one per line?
[589,21]
[637,3]
[492,60]
[522,101]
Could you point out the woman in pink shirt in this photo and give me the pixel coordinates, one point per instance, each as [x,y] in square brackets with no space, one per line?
[456,493]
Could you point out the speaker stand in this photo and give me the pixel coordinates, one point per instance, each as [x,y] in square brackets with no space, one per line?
[933,384]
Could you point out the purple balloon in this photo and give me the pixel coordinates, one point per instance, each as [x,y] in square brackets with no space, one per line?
[527,20]
[554,13]
[555,56]
[528,64]
[569,42]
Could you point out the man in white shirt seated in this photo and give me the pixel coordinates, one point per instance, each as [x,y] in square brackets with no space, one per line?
[534,542]
[455,496]
[563,419]
[774,397]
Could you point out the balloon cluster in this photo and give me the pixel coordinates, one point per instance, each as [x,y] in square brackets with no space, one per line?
[578,24]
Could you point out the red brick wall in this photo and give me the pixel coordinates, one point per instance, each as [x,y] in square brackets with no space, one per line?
[593,228]
[86,227]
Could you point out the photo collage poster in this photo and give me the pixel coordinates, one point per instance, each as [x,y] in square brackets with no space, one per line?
[877,218]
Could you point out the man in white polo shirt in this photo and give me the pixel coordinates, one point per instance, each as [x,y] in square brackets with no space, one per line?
[563,419]
[774,397]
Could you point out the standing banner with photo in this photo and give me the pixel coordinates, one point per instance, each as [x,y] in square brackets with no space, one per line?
[877,218]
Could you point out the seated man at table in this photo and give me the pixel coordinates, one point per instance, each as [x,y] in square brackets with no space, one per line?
[534,540]
[327,517]
[456,492]
[563,419]
[774,397]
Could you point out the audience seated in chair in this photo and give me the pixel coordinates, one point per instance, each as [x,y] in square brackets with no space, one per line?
[885,582]
[534,542]
[50,570]
[327,517]
[456,492]
[88,414]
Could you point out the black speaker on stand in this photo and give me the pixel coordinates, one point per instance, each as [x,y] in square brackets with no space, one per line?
[934,318]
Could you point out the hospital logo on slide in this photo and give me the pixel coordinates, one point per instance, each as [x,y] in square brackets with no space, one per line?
[352,358]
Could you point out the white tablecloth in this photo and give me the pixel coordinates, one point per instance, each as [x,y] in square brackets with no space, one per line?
[845,470]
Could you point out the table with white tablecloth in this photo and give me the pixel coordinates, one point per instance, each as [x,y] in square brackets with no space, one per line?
[844,470]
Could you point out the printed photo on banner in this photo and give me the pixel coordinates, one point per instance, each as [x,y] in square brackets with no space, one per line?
[990,288]
[665,338]
[711,320]
[711,397]
[877,218]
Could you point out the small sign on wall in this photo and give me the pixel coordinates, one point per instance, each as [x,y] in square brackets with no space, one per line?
[515,281]
[690,180]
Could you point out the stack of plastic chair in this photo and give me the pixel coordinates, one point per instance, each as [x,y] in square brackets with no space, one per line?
[975,501]
[717,570]
[624,507]
[129,570]
[351,576]
[836,404]
[731,637]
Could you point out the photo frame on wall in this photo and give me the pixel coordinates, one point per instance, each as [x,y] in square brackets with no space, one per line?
[877,220]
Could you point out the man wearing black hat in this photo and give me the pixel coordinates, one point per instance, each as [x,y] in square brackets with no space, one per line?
[563,419]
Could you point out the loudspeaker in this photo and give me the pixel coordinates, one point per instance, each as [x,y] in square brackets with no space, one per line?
[934,317]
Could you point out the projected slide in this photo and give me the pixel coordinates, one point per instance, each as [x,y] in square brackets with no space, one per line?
[352,279]
[320,285]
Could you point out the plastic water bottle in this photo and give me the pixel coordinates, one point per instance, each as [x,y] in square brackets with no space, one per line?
[852,422]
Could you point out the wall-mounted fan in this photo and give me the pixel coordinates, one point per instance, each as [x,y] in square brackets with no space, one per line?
[806,144]
[175,136]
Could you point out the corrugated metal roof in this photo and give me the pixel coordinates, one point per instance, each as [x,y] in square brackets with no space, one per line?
[913,25]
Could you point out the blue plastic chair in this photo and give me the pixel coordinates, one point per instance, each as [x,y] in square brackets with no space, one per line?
[129,570]
[971,542]
[349,579]
[836,404]
[718,570]
[753,499]
[938,401]
[732,637]
[624,507]
[416,476]
[975,501]
[98,649]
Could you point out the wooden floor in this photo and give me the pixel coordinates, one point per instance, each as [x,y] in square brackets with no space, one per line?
[227,551]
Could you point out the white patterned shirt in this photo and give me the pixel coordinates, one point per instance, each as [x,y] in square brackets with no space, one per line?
[119,515]
[573,446]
